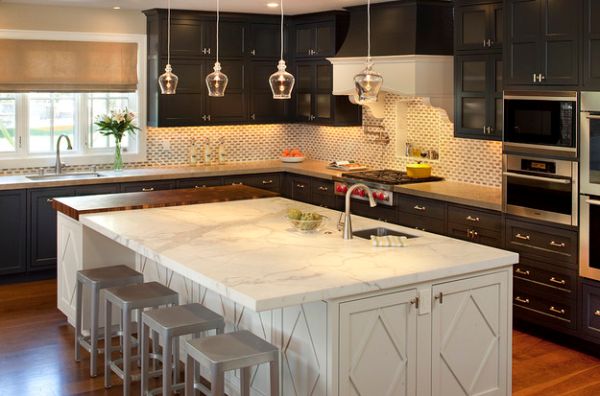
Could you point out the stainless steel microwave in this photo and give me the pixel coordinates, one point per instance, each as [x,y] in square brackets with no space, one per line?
[541,123]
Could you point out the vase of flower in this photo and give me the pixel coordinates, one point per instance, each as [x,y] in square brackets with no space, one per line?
[116,124]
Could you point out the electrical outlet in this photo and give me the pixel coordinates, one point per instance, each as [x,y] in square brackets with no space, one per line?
[166,145]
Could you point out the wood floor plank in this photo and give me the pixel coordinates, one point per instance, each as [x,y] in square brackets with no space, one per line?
[36,354]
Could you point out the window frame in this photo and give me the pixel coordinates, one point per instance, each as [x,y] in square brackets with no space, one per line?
[83,155]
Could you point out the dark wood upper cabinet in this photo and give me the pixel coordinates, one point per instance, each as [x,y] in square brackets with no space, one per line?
[263,40]
[591,45]
[319,35]
[479,27]
[262,107]
[542,42]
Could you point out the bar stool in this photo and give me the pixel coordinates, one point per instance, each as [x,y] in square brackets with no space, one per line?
[169,324]
[97,279]
[127,299]
[225,352]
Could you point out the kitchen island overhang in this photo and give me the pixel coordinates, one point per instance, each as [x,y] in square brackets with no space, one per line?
[306,293]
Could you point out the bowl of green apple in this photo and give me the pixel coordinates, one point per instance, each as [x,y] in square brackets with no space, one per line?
[306,221]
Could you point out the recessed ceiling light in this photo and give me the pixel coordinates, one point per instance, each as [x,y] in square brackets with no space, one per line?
[272,5]
[116,8]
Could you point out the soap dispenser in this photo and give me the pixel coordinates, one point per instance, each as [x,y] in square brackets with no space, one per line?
[207,151]
[193,154]
[222,153]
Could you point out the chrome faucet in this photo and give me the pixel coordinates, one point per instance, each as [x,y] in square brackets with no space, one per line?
[59,165]
[347,223]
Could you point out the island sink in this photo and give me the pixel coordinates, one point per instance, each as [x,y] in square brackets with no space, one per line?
[380,231]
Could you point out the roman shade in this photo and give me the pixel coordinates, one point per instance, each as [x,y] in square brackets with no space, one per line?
[67,66]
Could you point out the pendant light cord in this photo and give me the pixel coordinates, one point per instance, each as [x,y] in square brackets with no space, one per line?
[169,32]
[281,8]
[369,32]
[218,8]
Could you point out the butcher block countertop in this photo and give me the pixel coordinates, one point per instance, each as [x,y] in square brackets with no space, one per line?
[77,206]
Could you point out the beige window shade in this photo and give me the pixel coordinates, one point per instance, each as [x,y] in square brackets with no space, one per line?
[67,66]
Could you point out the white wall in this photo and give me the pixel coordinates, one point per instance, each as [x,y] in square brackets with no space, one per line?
[71,19]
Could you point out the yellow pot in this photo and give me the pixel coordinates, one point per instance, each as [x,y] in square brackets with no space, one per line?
[418,171]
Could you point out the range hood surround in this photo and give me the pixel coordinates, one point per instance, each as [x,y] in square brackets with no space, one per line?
[429,77]
[411,47]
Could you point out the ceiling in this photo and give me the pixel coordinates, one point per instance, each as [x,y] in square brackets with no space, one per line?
[253,6]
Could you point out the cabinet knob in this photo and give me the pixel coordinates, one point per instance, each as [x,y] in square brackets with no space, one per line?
[253,52]
[253,116]
[415,301]
[485,43]
[534,78]
[440,297]
[208,117]
[489,130]
[541,77]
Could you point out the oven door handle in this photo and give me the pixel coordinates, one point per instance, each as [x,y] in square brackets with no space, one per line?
[592,201]
[540,178]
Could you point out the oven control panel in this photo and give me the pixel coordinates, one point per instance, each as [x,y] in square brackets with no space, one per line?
[382,197]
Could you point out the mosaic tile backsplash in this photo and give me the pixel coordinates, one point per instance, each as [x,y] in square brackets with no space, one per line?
[465,160]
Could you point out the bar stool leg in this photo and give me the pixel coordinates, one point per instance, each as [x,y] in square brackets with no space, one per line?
[78,308]
[245,381]
[144,345]
[167,355]
[176,365]
[217,382]
[126,351]
[107,345]
[190,376]
[155,349]
[139,334]
[274,376]
[94,332]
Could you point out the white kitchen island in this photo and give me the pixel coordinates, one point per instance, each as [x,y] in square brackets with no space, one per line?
[431,318]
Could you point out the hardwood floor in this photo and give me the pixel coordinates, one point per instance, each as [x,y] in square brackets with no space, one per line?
[36,354]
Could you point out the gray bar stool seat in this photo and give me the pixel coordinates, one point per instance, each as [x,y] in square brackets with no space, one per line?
[127,299]
[97,279]
[169,324]
[225,352]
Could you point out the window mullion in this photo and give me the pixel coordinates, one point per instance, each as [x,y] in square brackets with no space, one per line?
[82,122]
[22,125]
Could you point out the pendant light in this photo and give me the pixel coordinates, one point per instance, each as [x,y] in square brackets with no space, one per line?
[281,82]
[368,82]
[217,81]
[168,81]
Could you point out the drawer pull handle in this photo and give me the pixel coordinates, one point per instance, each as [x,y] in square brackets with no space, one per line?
[440,297]
[556,310]
[472,234]
[202,186]
[523,237]
[147,189]
[321,188]
[421,208]
[522,300]
[300,185]
[237,184]
[557,244]
[473,219]
[415,302]
[49,200]
[522,272]
[558,281]
[597,313]
[267,181]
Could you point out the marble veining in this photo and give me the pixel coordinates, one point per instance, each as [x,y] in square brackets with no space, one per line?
[247,252]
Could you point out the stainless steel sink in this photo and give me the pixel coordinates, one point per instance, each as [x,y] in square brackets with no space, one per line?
[66,176]
[380,231]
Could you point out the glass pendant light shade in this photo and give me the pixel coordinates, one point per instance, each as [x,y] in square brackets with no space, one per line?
[216,82]
[168,81]
[367,84]
[281,82]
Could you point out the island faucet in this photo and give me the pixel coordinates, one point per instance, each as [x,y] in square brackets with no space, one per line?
[59,165]
[347,224]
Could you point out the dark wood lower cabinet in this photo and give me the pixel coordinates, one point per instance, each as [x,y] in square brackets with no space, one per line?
[13,211]
[590,311]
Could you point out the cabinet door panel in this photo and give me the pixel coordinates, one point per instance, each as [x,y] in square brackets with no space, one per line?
[42,227]
[377,353]
[524,52]
[497,23]
[189,73]
[471,27]
[561,30]
[470,336]
[232,106]
[591,45]
[262,106]
[181,109]
[324,39]
[304,40]
[591,309]
[264,40]
[231,40]
[188,37]
[13,211]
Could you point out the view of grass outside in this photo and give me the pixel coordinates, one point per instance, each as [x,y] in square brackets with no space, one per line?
[8,112]
[50,115]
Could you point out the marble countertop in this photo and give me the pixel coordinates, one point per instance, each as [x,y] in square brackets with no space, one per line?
[461,193]
[246,251]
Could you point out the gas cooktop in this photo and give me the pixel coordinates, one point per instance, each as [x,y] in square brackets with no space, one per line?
[388,176]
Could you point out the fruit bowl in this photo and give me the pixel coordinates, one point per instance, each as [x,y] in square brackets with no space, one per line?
[292,159]
[307,221]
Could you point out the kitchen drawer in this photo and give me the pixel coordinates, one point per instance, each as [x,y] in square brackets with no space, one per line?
[422,223]
[379,212]
[266,181]
[474,218]
[544,310]
[557,244]
[300,187]
[200,182]
[97,189]
[475,234]
[591,309]
[322,193]
[547,278]
[421,206]
[152,185]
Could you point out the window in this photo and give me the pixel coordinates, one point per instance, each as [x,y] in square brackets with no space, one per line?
[103,103]
[50,115]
